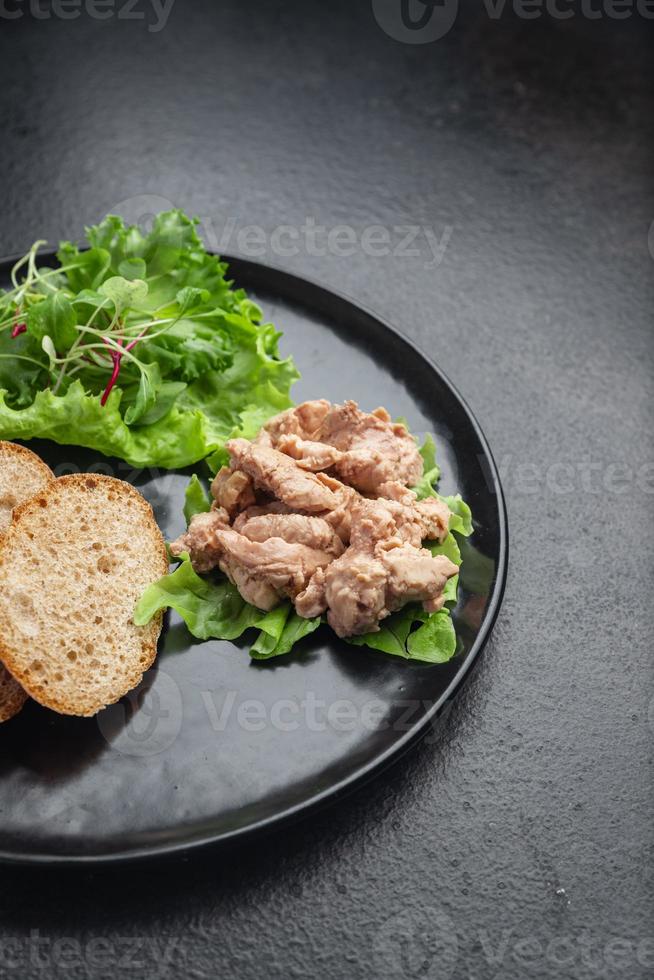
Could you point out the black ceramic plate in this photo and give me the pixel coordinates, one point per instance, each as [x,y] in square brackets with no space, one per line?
[215,746]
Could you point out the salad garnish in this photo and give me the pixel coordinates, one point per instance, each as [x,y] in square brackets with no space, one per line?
[137,346]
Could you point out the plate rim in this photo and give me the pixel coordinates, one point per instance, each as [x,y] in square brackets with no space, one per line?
[408,739]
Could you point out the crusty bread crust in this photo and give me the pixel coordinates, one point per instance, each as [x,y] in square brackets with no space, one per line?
[73,564]
[22,474]
[12,695]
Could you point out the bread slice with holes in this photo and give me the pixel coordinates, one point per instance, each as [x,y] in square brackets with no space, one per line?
[22,474]
[73,564]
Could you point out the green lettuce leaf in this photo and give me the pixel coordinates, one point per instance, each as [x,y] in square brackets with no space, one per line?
[215,609]
[196,499]
[23,368]
[147,394]
[85,270]
[76,418]
[53,317]
[166,395]
[431,471]
[461,519]
[435,641]
[393,632]
[450,548]
[451,591]
[209,608]
[281,629]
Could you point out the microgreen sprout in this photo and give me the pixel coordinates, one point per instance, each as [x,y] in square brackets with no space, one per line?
[117,292]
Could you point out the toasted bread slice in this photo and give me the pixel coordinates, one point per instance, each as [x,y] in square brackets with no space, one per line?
[73,564]
[22,474]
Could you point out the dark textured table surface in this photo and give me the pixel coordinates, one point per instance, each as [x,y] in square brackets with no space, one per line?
[519,842]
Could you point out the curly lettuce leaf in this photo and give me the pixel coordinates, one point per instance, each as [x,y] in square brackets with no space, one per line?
[84,269]
[171,255]
[215,609]
[76,418]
